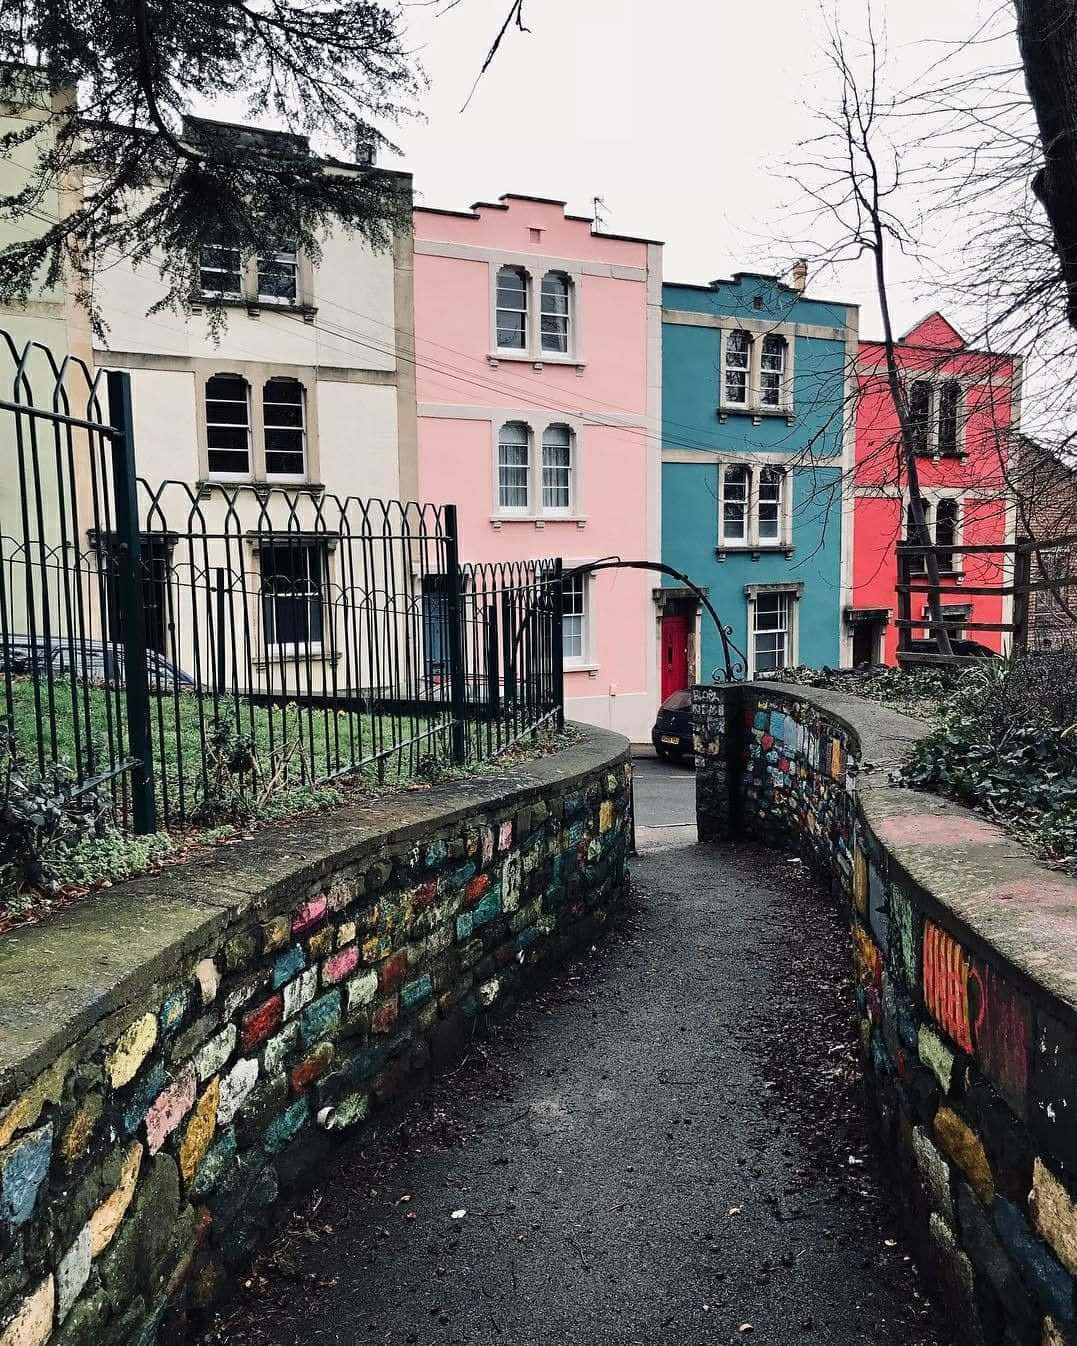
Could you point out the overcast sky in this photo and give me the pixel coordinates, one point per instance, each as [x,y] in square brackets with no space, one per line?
[682,115]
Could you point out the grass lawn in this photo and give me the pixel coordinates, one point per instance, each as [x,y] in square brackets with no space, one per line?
[292,747]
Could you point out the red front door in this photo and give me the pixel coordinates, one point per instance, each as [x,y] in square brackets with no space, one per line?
[674,655]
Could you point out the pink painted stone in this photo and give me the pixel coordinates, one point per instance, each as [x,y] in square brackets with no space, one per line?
[928,829]
[337,968]
[169,1108]
[310,913]
[504,840]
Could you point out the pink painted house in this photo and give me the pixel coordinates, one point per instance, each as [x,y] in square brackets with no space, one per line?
[539,382]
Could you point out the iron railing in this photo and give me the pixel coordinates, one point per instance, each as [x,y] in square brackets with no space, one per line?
[190,645]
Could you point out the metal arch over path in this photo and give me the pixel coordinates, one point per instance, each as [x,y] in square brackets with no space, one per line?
[734,669]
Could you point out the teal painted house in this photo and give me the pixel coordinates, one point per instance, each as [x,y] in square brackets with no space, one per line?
[757,457]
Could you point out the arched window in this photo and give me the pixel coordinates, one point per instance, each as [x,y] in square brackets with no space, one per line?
[771,480]
[557,467]
[772,371]
[511,308]
[946,516]
[514,466]
[738,359]
[949,416]
[284,421]
[735,503]
[228,426]
[556,315]
[920,400]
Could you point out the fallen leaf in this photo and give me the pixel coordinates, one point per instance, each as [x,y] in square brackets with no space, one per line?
[458,1214]
[745,1327]
[734,1210]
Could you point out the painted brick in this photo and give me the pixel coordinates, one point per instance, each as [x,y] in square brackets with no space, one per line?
[72,1273]
[511,879]
[314,1066]
[424,896]
[31,1324]
[300,992]
[384,1018]
[286,1127]
[488,908]
[937,1056]
[319,946]
[169,1108]
[309,914]
[1053,1093]
[340,966]
[75,1140]
[1054,1214]
[489,991]
[23,1168]
[353,1108]
[173,1010]
[416,991]
[946,995]
[319,1018]
[236,1087]
[199,1132]
[208,979]
[966,1150]
[345,933]
[278,1047]
[259,1023]
[465,924]
[276,934]
[935,1174]
[360,991]
[243,992]
[504,836]
[106,1218]
[1003,1036]
[392,972]
[476,889]
[290,963]
[142,1096]
[131,1049]
[26,1109]
[1050,1283]
[980,1240]
[211,1057]
[218,1161]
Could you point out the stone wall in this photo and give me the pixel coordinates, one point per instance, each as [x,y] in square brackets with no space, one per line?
[965,953]
[176,1053]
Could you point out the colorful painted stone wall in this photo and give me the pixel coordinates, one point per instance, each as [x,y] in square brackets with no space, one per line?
[965,957]
[176,1054]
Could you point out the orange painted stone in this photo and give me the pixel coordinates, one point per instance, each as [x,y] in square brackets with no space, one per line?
[966,1150]
[946,991]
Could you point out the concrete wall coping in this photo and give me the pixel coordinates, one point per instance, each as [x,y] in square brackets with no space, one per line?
[86,968]
[968,873]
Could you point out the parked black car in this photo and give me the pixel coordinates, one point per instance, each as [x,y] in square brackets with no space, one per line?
[672,732]
[94,660]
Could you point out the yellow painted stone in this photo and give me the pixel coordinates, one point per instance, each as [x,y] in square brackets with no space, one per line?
[605,815]
[966,1149]
[32,1322]
[200,1129]
[132,1047]
[1055,1215]
[345,934]
[321,944]
[276,933]
[106,1218]
[76,1139]
[27,1107]
[860,880]
[1052,1333]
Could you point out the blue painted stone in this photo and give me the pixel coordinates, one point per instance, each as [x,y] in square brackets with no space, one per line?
[1049,1282]
[23,1167]
[436,852]
[762,720]
[145,1091]
[464,925]
[219,1158]
[284,1128]
[417,991]
[575,805]
[463,875]
[488,908]
[173,1010]
[777,726]
[575,834]
[526,937]
[291,962]
[320,1017]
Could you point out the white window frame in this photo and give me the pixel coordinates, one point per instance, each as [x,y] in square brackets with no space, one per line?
[284,258]
[528,468]
[574,584]
[566,317]
[527,310]
[730,343]
[294,649]
[566,470]
[239,269]
[753,541]
[776,340]
[931,498]
[213,475]
[290,477]
[586,661]
[758,333]
[537,512]
[935,383]
[792,593]
[535,268]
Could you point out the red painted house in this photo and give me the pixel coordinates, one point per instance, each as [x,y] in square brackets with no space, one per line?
[964,404]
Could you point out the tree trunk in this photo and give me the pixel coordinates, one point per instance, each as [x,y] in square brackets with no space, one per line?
[1047,34]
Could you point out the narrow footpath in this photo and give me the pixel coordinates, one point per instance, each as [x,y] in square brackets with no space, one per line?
[669,1145]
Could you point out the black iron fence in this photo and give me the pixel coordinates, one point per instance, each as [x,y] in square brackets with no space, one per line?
[194,647]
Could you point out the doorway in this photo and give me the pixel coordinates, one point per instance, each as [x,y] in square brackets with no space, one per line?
[675,635]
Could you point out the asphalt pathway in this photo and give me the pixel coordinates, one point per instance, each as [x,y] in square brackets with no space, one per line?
[669,1145]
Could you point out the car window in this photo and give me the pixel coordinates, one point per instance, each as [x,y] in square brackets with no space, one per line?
[678,701]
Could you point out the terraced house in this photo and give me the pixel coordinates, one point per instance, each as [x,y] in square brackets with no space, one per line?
[538,345]
[757,446]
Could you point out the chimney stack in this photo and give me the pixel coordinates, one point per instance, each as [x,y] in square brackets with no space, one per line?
[800,276]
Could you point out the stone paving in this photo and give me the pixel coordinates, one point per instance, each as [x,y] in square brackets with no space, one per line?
[671,1146]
